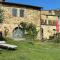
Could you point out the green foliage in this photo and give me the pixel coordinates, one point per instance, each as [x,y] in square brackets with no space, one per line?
[55,38]
[29,29]
[2,38]
[1,15]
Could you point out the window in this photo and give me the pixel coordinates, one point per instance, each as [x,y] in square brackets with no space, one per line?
[43,22]
[46,16]
[54,22]
[14,12]
[21,13]
[49,22]
[50,11]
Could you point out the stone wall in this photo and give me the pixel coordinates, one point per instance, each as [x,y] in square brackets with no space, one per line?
[48,30]
[30,15]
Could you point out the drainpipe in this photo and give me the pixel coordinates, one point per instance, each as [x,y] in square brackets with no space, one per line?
[40,26]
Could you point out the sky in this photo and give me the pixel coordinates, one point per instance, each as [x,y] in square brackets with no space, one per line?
[46,4]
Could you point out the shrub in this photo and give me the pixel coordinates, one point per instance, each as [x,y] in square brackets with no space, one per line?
[2,38]
[55,38]
[29,29]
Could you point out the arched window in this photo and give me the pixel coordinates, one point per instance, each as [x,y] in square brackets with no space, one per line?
[17,33]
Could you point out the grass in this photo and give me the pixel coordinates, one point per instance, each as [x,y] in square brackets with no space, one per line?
[36,51]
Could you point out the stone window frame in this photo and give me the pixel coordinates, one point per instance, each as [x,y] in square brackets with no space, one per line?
[18,12]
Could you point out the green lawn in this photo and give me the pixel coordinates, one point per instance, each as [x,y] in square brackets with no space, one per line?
[35,51]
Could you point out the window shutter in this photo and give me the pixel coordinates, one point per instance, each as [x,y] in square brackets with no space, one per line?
[21,13]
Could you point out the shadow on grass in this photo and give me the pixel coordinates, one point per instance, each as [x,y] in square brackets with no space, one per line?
[2,39]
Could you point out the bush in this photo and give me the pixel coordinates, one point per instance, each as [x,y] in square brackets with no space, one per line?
[2,39]
[55,38]
[29,30]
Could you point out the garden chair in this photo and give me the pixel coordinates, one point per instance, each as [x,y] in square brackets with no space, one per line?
[4,45]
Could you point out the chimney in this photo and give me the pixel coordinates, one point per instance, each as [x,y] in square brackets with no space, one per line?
[2,0]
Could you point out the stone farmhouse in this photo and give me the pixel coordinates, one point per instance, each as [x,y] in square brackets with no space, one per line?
[48,22]
[14,14]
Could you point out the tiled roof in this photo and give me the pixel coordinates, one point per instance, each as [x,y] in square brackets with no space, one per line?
[24,5]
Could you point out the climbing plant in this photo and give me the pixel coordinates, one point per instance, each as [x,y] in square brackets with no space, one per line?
[29,29]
